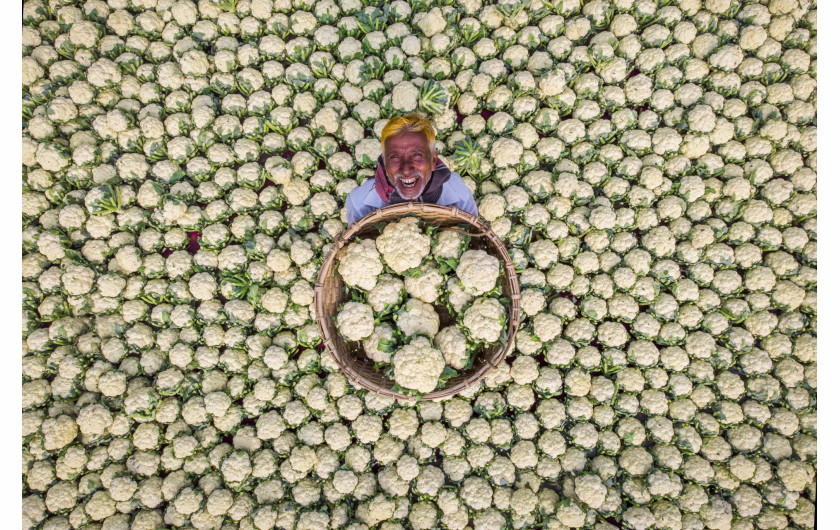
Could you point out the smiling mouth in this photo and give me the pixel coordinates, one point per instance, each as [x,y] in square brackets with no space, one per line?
[409,182]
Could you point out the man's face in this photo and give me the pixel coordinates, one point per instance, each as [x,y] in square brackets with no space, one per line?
[409,162]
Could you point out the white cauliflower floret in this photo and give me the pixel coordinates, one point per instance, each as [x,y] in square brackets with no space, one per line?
[477,493]
[639,517]
[278,260]
[590,490]
[796,476]
[100,506]
[219,502]
[418,317]
[302,293]
[385,293]
[478,272]
[457,297]
[59,432]
[355,321]
[635,460]
[344,481]
[375,349]
[77,280]
[448,244]
[403,245]
[103,73]
[492,207]
[403,423]
[404,96]
[380,508]
[274,300]
[326,119]
[485,319]
[61,496]
[552,83]
[408,468]
[507,152]
[453,344]
[418,365]
[94,420]
[425,286]
[431,22]
[547,326]
[523,501]
[532,301]
[359,264]
[544,253]
[524,370]
[203,286]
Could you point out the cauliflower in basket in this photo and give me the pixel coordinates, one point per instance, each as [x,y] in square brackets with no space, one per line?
[403,244]
[355,321]
[453,344]
[456,296]
[418,365]
[478,272]
[359,264]
[485,319]
[449,244]
[379,346]
[387,292]
[425,286]
[403,282]
[418,317]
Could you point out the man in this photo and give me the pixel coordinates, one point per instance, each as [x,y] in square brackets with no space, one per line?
[409,170]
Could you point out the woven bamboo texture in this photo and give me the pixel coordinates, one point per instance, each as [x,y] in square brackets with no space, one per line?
[329,295]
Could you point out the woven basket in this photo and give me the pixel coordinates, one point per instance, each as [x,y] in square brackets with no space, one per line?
[329,295]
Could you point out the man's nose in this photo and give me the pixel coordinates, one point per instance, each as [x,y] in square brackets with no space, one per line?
[406,166]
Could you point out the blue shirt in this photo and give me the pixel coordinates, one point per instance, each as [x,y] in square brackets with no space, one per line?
[364,199]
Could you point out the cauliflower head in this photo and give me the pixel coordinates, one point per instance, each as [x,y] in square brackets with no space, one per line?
[355,321]
[425,286]
[403,244]
[418,317]
[387,292]
[449,244]
[418,365]
[478,272]
[379,346]
[485,319]
[452,342]
[359,264]
[456,296]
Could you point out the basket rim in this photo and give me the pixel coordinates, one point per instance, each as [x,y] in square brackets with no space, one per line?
[419,209]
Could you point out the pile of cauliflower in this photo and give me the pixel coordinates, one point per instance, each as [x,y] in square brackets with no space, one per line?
[649,164]
[401,282]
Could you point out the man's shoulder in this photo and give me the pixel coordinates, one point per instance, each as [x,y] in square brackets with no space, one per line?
[361,201]
[456,192]
[456,182]
[359,193]
[455,188]
[362,195]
